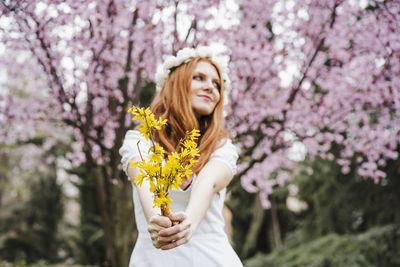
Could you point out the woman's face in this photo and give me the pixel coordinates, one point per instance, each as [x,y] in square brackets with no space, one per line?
[205,89]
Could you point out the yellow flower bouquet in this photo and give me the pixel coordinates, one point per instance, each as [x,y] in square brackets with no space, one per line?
[163,173]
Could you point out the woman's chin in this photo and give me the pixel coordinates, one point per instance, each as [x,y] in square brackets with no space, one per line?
[202,112]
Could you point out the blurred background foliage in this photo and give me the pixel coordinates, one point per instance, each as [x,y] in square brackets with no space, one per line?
[345,220]
[36,228]
[340,220]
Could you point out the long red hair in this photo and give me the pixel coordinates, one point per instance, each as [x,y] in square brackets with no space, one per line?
[173,103]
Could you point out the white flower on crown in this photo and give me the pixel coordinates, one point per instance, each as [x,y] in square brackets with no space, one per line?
[184,56]
[160,78]
[170,62]
[204,51]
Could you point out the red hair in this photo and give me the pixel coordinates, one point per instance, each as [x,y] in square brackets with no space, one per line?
[173,103]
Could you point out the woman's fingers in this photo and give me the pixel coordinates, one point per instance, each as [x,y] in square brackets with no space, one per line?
[177,216]
[157,223]
[179,223]
[167,232]
[174,237]
[160,221]
[158,244]
[176,243]
[178,234]
[170,232]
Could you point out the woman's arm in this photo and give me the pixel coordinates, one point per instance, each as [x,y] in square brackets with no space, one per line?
[155,221]
[214,176]
[145,196]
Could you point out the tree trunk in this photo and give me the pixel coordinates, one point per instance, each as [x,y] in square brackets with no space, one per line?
[117,217]
[275,224]
[250,244]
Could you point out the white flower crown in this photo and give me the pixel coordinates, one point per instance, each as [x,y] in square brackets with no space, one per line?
[184,56]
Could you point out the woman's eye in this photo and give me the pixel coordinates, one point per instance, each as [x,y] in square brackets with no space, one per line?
[217,85]
[197,77]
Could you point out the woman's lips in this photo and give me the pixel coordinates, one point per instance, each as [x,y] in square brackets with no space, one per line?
[206,97]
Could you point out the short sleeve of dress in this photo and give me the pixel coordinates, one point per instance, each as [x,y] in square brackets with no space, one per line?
[227,154]
[129,148]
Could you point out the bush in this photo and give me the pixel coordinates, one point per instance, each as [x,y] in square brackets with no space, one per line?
[378,247]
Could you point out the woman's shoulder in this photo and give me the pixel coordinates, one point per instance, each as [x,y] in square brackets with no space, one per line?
[132,134]
[134,144]
[134,138]
[225,144]
[135,135]
[226,152]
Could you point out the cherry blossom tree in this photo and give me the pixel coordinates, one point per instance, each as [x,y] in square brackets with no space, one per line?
[310,74]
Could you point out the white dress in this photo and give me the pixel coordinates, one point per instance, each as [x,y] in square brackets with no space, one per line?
[209,246]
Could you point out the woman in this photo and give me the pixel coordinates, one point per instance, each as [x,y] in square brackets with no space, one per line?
[191,97]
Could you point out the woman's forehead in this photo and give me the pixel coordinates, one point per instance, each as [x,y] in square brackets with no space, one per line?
[207,68]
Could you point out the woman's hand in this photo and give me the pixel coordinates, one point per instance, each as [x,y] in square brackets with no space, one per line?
[156,224]
[179,234]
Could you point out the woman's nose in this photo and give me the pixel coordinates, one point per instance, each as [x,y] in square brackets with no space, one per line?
[208,85]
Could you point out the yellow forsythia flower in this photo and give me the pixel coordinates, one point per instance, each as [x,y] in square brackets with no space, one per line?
[161,173]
